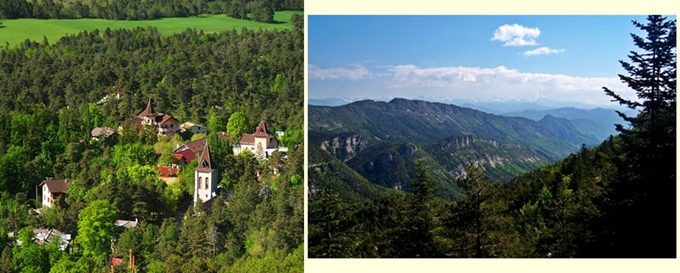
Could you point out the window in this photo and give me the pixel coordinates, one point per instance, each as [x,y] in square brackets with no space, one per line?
[206,183]
[200,179]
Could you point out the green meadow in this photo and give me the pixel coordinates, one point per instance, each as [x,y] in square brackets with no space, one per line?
[15,31]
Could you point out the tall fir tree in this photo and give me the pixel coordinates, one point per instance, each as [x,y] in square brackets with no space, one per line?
[641,219]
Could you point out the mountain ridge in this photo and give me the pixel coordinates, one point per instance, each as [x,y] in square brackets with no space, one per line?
[381,141]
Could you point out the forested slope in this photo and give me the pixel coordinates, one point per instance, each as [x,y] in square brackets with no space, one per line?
[53,95]
[617,199]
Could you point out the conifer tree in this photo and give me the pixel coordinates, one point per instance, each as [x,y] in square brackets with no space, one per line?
[642,214]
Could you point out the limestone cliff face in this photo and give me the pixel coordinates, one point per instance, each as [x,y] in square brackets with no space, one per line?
[499,160]
[345,147]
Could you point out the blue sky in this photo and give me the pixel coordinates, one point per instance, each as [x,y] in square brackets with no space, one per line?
[551,59]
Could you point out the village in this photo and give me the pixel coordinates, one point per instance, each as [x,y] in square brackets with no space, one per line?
[206,185]
[156,142]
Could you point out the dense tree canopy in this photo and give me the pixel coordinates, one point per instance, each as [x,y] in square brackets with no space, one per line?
[260,10]
[95,229]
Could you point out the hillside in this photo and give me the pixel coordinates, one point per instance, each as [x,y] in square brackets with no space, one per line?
[383,141]
[331,174]
[109,196]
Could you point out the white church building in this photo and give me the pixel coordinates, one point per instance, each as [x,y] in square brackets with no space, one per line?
[205,178]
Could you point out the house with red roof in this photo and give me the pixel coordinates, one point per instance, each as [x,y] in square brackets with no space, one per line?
[189,151]
[168,173]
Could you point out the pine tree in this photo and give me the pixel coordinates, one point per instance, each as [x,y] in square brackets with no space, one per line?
[420,217]
[478,223]
[641,214]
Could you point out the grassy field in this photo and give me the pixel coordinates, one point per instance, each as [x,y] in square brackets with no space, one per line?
[15,31]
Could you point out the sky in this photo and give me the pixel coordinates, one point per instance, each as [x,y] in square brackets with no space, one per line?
[549,60]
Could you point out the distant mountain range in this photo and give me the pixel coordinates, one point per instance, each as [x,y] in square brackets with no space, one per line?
[597,123]
[380,143]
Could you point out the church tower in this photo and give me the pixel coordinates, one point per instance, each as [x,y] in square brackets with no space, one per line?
[205,177]
[148,116]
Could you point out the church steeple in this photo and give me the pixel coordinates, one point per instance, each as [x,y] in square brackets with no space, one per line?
[204,160]
[148,111]
[205,177]
[261,129]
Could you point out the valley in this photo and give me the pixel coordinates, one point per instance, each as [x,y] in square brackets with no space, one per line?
[383,141]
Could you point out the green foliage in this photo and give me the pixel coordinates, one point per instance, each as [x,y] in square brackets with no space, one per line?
[261,11]
[296,180]
[165,146]
[13,214]
[15,32]
[186,177]
[238,125]
[197,136]
[221,83]
[66,265]
[293,136]
[130,10]
[215,122]
[131,154]
[29,257]
[96,229]
[274,261]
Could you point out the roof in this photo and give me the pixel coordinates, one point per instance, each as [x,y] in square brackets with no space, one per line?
[127,223]
[204,160]
[44,236]
[167,171]
[186,155]
[189,150]
[247,139]
[166,118]
[102,132]
[56,185]
[189,124]
[261,130]
[116,261]
[148,111]
[195,146]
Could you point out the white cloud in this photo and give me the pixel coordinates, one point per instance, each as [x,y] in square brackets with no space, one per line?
[356,72]
[503,83]
[543,51]
[516,35]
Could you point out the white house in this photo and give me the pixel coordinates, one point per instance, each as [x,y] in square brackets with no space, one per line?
[52,189]
[259,143]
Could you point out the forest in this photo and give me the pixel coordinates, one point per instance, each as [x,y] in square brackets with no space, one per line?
[616,199]
[258,10]
[54,94]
